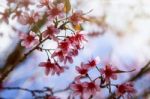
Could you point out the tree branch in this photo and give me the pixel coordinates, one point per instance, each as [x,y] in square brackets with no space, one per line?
[15,58]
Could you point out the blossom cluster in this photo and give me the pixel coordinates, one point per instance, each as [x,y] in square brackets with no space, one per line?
[87,89]
[68,46]
[60,19]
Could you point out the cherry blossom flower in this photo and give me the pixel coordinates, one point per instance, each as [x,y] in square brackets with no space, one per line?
[82,70]
[91,88]
[68,58]
[50,32]
[56,11]
[125,88]
[76,41]
[78,88]
[52,68]
[59,54]
[26,18]
[62,56]
[76,45]
[109,72]
[74,52]
[29,40]
[79,38]
[84,88]
[68,48]
[65,46]
[92,63]
[76,17]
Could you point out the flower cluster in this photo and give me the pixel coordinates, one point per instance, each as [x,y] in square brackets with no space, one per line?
[69,47]
[85,88]
[77,17]
[57,20]
[89,88]
[53,68]
[85,67]
[56,11]
[125,88]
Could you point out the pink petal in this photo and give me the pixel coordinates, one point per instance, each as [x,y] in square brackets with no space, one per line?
[35,42]
[97,59]
[44,34]
[32,33]
[25,44]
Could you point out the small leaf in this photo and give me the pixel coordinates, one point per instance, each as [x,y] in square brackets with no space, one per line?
[77,27]
[67,6]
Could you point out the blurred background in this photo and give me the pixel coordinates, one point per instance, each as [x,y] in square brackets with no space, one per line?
[119,33]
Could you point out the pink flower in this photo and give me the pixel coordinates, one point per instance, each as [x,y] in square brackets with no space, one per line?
[68,58]
[65,46]
[59,54]
[76,44]
[68,48]
[76,41]
[76,17]
[79,38]
[56,11]
[109,72]
[63,57]
[92,63]
[78,88]
[74,52]
[91,88]
[51,32]
[85,88]
[27,18]
[125,88]
[29,40]
[83,70]
[52,68]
